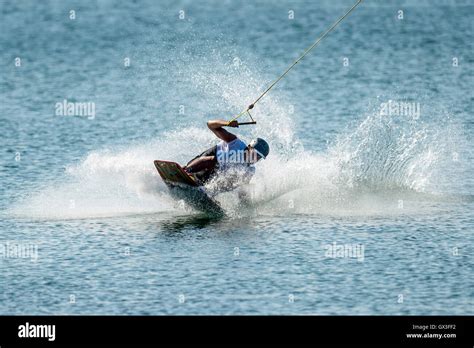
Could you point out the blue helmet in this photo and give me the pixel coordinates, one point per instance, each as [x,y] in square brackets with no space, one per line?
[261,146]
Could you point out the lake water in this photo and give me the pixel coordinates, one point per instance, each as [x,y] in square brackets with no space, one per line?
[364,206]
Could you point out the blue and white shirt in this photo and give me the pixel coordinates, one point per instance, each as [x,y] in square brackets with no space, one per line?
[230,157]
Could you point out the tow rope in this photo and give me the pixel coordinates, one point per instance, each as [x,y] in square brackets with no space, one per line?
[320,38]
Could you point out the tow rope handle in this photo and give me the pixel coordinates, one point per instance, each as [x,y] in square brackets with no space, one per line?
[248,112]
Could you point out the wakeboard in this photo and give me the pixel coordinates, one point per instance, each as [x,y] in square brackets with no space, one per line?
[186,187]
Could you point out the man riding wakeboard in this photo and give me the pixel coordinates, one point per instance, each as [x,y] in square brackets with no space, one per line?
[231,157]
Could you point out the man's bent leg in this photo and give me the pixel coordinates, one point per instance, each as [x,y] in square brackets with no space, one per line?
[200,164]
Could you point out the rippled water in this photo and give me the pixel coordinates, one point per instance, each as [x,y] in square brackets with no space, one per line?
[395,190]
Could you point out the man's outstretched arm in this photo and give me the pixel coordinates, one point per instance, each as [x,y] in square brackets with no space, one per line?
[216,127]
